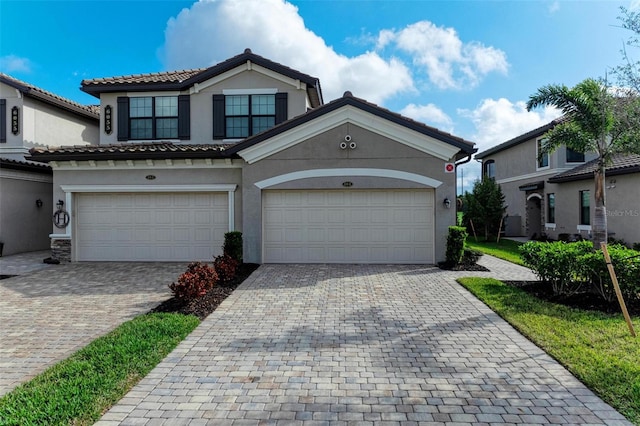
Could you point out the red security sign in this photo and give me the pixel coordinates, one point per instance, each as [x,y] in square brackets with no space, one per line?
[449,167]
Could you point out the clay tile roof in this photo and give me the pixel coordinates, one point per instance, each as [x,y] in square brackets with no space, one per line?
[129,151]
[347,98]
[620,164]
[159,77]
[90,111]
[25,165]
[184,79]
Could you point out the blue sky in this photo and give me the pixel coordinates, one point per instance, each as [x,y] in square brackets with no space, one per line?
[466,67]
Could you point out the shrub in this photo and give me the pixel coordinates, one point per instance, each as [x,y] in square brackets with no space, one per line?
[195,281]
[225,267]
[470,256]
[636,246]
[455,244]
[626,263]
[233,245]
[556,263]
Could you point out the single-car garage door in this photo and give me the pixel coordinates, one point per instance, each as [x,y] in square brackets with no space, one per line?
[348,226]
[151,226]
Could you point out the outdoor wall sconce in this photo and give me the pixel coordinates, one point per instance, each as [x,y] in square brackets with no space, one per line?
[38,203]
[446,203]
[60,204]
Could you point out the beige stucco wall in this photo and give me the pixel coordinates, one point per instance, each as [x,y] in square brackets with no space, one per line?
[622,201]
[202,104]
[323,152]
[23,226]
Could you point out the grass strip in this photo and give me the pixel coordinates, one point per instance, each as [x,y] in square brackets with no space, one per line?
[81,388]
[595,347]
[505,249]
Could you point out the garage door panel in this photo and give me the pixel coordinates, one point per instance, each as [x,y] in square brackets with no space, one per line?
[379,226]
[151,226]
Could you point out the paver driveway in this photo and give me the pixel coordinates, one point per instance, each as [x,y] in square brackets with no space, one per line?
[358,344]
[48,314]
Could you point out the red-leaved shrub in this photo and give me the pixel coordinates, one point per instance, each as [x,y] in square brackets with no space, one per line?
[195,281]
[226,267]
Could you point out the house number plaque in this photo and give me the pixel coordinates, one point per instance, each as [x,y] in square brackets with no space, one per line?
[108,121]
[15,120]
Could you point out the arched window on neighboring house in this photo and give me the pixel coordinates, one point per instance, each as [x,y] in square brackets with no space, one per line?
[490,169]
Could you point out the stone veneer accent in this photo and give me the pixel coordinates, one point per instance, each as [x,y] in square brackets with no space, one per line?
[61,250]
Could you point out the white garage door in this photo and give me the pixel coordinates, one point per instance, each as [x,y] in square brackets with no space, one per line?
[151,226]
[348,226]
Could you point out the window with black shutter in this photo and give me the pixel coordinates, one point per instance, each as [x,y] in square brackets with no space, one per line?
[240,116]
[154,117]
[3,120]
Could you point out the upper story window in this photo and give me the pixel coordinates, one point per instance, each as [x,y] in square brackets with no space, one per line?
[153,117]
[542,157]
[490,169]
[574,156]
[240,115]
[585,213]
[246,115]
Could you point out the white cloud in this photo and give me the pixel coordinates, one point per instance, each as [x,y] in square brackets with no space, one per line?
[448,62]
[497,121]
[554,7]
[13,63]
[211,31]
[214,30]
[429,114]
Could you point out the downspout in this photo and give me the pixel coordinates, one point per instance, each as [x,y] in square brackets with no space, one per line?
[466,160]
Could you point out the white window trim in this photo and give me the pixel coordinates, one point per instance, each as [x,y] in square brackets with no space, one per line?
[550,226]
[267,91]
[584,228]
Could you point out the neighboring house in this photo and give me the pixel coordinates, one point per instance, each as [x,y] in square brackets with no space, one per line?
[552,194]
[249,145]
[31,117]
[573,194]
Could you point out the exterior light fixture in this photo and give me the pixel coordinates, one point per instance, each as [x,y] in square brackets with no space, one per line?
[60,204]
[446,203]
[38,203]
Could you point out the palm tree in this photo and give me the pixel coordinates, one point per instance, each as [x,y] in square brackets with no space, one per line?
[594,120]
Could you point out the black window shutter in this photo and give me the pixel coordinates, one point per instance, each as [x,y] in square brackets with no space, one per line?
[281,107]
[184,117]
[3,120]
[218,117]
[123,118]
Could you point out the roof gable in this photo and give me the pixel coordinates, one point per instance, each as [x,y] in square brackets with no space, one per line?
[620,164]
[520,139]
[185,79]
[29,90]
[350,109]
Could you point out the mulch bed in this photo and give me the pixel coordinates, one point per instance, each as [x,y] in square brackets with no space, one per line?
[583,300]
[203,306]
[462,267]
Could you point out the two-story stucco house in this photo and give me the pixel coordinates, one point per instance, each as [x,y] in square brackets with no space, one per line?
[32,117]
[249,145]
[552,194]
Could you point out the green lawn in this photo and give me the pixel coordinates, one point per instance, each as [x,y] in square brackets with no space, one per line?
[597,348]
[81,388]
[505,249]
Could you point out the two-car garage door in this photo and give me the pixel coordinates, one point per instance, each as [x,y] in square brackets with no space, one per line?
[183,226]
[348,226]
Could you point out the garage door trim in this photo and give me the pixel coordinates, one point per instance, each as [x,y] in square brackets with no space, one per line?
[313,173]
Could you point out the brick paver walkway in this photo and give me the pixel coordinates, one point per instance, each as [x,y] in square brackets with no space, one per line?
[54,310]
[359,344]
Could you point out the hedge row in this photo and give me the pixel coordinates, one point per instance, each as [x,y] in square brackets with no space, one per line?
[573,267]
